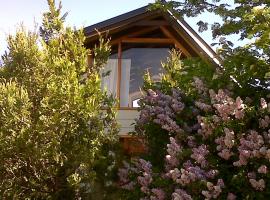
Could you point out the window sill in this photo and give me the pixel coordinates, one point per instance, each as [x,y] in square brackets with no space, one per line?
[122,108]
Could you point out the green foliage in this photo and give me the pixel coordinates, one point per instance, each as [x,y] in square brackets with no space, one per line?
[52,126]
[210,145]
[179,74]
[52,22]
[190,130]
[246,20]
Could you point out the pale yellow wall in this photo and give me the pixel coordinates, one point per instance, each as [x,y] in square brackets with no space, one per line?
[125,118]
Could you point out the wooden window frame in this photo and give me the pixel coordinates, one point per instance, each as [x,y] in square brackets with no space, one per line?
[122,41]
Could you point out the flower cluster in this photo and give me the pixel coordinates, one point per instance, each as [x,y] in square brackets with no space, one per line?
[225,144]
[214,151]
[213,190]
[145,179]
[173,150]
[258,185]
[199,155]
[231,196]
[206,126]
[200,86]
[123,174]
[264,104]
[188,174]
[226,106]
[250,146]
[203,106]
[157,194]
[264,122]
[162,109]
[180,194]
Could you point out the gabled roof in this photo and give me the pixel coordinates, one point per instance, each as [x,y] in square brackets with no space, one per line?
[112,22]
[178,26]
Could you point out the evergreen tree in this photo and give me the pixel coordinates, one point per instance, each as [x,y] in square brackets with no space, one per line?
[52,126]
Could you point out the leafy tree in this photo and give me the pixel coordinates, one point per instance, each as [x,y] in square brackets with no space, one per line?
[203,142]
[53,127]
[245,20]
[207,128]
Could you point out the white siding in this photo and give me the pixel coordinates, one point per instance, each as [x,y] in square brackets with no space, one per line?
[126,118]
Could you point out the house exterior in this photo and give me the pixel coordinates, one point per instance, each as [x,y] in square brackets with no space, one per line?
[141,40]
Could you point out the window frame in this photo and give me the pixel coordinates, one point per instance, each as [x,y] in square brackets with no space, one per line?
[144,41]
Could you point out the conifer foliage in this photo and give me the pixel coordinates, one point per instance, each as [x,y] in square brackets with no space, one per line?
[52,127]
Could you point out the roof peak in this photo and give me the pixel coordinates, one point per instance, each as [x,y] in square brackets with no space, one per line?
[131,18]
[116,19]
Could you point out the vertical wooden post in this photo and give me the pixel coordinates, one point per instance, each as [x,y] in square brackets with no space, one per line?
[90,60]
[119,71]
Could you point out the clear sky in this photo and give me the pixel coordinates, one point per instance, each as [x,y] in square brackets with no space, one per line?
[81,13]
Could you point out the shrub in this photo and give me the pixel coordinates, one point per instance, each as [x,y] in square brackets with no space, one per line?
[53,131]
[204,142]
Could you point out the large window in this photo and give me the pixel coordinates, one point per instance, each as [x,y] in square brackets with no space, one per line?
[126,79]
[141,61]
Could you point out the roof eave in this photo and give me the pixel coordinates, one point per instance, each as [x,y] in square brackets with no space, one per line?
[125,19]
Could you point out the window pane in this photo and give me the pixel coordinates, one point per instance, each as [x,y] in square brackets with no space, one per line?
[109,77]
[135,63]
[135,103]
[125,81]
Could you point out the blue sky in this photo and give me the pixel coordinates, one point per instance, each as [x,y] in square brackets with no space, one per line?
[81,13]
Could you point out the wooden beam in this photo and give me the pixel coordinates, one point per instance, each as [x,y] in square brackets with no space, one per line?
[178,44]
[141,31]
[148,40]
[90,60]
[134,34]
[113,42]
[119,71]
[152,23]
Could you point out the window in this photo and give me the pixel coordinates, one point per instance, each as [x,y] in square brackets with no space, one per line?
[142,60]
[135,62]
[110,76]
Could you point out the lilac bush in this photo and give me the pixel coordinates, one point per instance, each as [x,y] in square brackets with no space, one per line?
[204,142]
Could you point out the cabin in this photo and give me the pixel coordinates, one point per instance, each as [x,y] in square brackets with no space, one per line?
[141,40]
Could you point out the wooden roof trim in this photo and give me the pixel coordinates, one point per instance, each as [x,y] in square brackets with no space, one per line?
[124,20]
[194,40]
[134,34]
[149,40]
[112,21]
[127,20]
[141,31]
[94,34]
[207,49]
[178,44]
[152,23]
